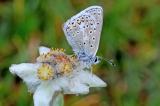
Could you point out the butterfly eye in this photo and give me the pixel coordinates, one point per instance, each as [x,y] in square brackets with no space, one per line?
[95,60]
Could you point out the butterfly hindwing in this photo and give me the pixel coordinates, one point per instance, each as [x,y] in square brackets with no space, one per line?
[83,30]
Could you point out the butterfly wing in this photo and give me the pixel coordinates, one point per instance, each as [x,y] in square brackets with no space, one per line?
[83,30]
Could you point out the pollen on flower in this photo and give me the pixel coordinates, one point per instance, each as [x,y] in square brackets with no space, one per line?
[64,64]
[65,68]
[45,72]
[62,58]
[73,58]
[51,55]
[57,50]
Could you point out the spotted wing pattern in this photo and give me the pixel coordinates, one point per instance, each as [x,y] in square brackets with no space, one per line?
[83,30]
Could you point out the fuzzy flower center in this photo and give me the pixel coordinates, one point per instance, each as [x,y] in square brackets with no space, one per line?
[51,55]
[45,72]
[58,62]
[65,68]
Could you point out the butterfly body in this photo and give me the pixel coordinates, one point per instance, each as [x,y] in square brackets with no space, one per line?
[89,60]
[83,33]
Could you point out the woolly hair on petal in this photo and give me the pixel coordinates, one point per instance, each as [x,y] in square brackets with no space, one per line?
[90,79]
[28,72]
[63,83]
[44,93]
[78,88]
[70,86]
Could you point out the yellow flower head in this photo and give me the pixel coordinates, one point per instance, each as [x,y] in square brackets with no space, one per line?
[45,72]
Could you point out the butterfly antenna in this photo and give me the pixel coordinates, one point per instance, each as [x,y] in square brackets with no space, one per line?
[111,62]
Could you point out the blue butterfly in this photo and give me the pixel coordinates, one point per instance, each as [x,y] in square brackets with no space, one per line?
[83,34]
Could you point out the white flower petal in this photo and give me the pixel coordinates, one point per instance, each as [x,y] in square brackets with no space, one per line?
[43,50]
[92,80]
[44,93]
[78,88]
[28,72]
[63,83]
[70,86]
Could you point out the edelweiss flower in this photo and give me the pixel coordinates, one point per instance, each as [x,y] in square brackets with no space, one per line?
[55,72]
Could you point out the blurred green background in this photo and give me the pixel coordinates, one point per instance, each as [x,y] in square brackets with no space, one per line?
[130,36]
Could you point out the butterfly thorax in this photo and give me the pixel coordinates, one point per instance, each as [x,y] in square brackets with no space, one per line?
[88,60]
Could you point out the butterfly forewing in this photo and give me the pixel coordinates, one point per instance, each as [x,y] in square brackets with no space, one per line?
[83,30]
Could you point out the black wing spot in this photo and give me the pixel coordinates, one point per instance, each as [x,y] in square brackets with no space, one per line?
[90,31]
[79,23]
[99,10]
